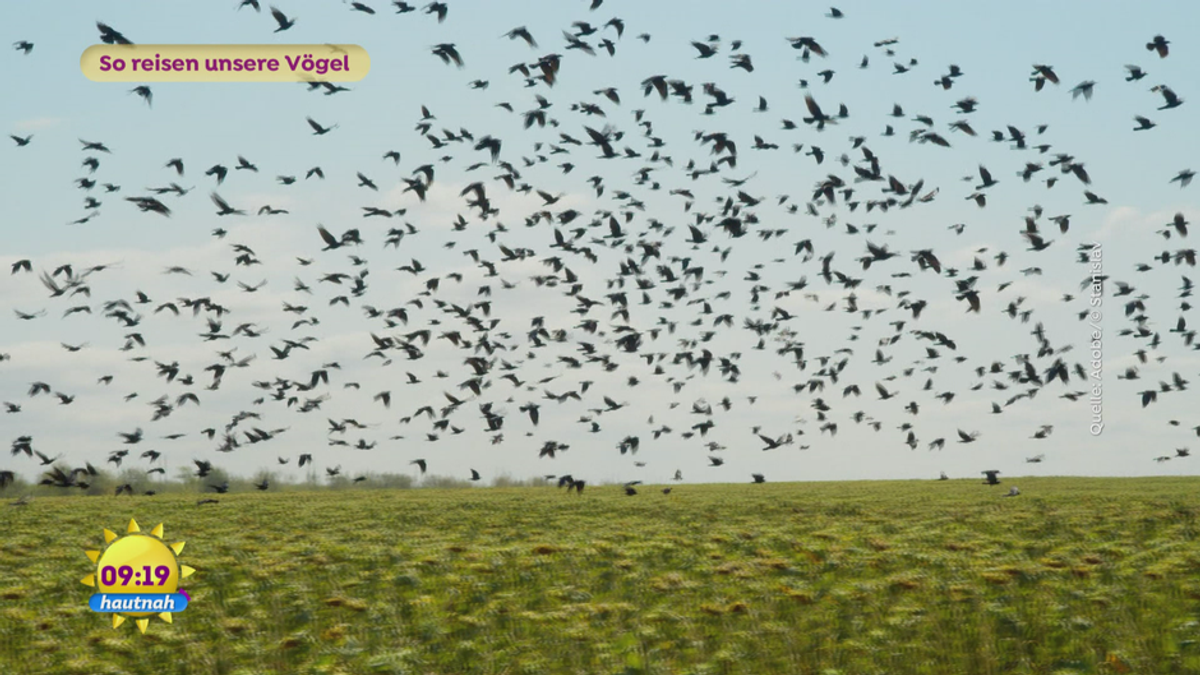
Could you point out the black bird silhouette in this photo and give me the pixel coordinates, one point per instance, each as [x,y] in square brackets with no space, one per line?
[1143,123]
[282,19]
[145,93]
[1084,88]
[225,208]
[1158,44]
[523,33]
[816,116]
[218,171]
[91,145]
[438,8]
[109,36]
[319,130]
[448,53]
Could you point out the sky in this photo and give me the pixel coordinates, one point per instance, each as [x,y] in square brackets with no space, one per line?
[213,123]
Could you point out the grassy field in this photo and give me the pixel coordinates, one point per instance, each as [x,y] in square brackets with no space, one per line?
[1072,576]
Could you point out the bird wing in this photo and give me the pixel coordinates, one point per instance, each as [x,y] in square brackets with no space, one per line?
[813,108]
[327,236]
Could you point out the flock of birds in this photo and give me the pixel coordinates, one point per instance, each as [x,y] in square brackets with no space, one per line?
[652,266]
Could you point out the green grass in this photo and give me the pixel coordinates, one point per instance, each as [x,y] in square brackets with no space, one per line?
[1073,576]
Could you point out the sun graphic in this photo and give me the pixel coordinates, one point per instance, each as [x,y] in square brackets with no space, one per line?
[137,563]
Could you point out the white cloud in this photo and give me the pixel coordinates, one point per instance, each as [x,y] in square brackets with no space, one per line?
[38,123]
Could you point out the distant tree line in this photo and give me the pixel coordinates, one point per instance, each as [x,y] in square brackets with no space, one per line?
[186,481]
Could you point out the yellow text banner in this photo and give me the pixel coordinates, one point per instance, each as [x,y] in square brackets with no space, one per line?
[225,63]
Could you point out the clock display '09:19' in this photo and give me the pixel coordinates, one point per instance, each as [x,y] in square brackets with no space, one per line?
[110,574]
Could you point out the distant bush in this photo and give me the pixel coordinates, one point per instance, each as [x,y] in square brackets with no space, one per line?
[507,481]
[445,482]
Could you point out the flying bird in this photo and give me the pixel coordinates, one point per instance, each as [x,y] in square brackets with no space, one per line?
[448,53]
[282,19]
[1159,44]
[1084,88]
[319,130]
[110,36]
[144,92]
[224,208]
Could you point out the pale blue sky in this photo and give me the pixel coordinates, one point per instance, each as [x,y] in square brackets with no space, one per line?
[207,124]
